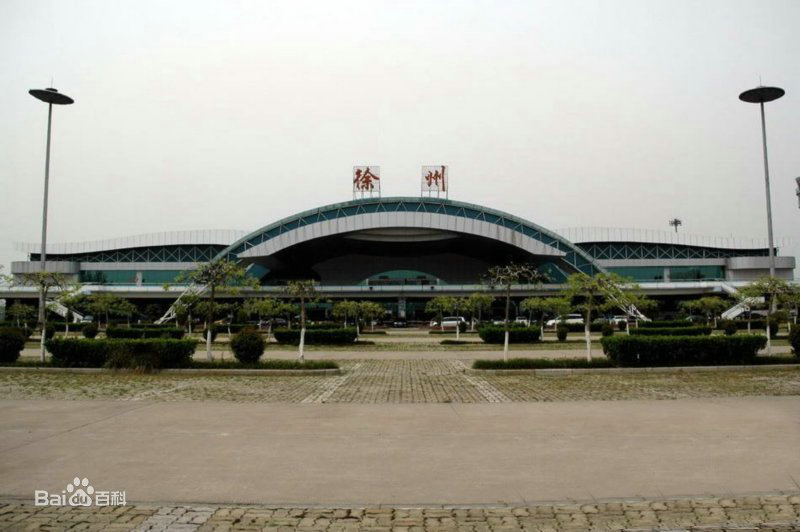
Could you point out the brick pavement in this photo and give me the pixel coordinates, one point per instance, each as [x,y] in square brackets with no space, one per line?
[401,381]
[774,512]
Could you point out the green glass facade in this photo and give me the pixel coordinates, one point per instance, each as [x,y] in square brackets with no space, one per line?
[149,277]
[642,274]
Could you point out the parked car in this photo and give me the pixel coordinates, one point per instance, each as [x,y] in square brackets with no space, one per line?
[616,320]
[449,322]
[565,318]
[522,320]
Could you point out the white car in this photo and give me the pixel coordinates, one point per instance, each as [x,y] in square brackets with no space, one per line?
[522,320]
[449,322]
[565,318]
[616,320]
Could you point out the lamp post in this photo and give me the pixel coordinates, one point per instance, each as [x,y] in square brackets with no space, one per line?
[50,96]
[675,222]
[761,95]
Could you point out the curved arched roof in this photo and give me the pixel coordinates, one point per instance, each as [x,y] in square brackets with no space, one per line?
[438,213]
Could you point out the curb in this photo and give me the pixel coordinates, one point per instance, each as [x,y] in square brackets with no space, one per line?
[556,372]
[175,371]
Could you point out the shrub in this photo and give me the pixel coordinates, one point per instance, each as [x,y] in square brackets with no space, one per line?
[145,355]
[12,342]
[247,346]
[136,332]
[728,326]
[608,329]
[561,332]
[90,330]
[682,350]
[622,325]
[49,331]
[495,334]
[342,335]
[676,331]
[794,340]
[665,324]
[213,332]
[540,363]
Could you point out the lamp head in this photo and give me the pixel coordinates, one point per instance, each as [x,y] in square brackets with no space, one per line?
[51,95]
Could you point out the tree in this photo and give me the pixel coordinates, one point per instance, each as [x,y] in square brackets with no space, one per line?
[791,301]
[44,281]
[371,311]
[344,310]
[539,307]
[69,297]
[772,290]
[126,309]
[711,307]
[507,276]
[218,275]
[105,304]
[263,307]
[458,306]
[593,294]
[478,303]
[438,306]
[21,314]
[304,291]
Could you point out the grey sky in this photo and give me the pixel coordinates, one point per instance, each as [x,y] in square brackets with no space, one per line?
[197,114]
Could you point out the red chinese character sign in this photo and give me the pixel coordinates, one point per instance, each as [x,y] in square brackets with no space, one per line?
[434,180]
[366,181]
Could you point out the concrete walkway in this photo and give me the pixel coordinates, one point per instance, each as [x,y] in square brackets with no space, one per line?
[346,454]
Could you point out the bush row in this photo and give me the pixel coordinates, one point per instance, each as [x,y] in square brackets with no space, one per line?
[540,363]
[495,334]
[682,350]
[146,355]
[665,324]
[673,331]
[137,332]
[343,335]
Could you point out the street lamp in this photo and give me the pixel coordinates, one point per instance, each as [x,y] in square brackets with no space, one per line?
[50,96]
[675,222]
[760,95]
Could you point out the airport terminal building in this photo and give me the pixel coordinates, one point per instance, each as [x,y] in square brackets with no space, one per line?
[401,249]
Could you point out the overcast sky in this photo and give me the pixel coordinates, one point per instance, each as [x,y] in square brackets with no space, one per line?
[230,115]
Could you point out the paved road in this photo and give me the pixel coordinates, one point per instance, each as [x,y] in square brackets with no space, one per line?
[341,454]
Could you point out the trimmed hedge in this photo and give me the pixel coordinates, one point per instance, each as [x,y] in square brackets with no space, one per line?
[247,346]
[146,355]
[794,340]
[343,335]
[579,327]
[682,350]
[675,331]
[136,332]
[90,330]
[12,342]
[742,324]
[665,324]
[495,334]
[265,364]
[541,363]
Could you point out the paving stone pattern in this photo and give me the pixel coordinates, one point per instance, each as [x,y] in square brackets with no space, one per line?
[400,381]
[775,512]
